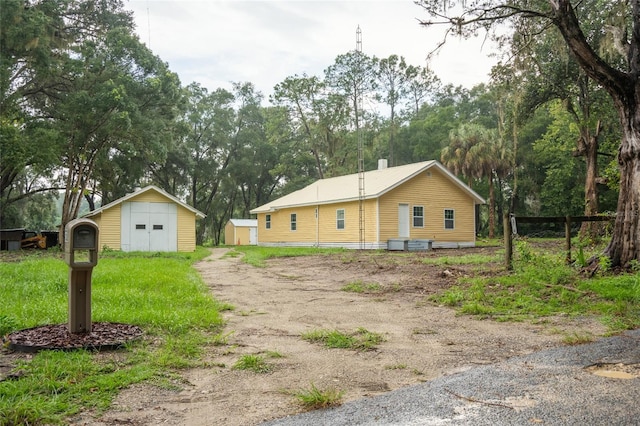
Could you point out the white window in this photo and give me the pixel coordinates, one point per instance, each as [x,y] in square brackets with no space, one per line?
[449,219]
[418,216]
[340,219]
[294,223]
[267,221]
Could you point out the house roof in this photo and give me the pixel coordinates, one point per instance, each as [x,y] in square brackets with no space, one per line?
[244,223]
[142,191]
[346,188]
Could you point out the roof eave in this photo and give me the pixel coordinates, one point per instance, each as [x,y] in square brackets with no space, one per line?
[312,203]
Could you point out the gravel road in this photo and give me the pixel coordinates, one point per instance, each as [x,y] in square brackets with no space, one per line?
[591,384]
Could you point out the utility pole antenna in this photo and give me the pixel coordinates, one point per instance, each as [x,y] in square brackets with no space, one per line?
[361,192]
[149,24]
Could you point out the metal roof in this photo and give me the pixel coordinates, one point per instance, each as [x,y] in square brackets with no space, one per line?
[345,188]
[142,191]
[244,223]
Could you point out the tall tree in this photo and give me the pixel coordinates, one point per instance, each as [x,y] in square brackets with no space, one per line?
[205,148]
[218,190]
[551,73]
[619,75]
[393,77]
[318,117]
[492,157]
[422,82]
[93,90]
[302,97]
[353,75]
[30,39]
[457,156]
[116,87]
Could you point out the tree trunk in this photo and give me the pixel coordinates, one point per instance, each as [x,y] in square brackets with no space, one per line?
[392,137]
[624,88]
[492,207]
[591,208]
[624,247]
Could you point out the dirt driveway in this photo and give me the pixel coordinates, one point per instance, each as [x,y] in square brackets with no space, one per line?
[274,305]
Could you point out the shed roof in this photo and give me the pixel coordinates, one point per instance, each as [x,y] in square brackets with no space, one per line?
[142,191]
[346,188]
[244,223]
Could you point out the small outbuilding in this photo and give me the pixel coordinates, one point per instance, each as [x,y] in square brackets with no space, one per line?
[148,219]
[241,232]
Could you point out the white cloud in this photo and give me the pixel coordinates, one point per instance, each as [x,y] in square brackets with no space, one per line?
[264,41]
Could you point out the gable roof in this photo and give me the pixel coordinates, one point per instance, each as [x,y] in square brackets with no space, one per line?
[346,188]
[142,191]
[244,223]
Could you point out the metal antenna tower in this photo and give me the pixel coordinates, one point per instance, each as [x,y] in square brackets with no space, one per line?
[149,24]
[361,193]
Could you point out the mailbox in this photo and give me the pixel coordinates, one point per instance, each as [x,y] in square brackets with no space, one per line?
[81,254]
[81,244]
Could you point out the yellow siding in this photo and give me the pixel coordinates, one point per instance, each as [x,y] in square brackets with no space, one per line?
[242,236]
[436,193]
[186,229]
[324,230]
[281,232]
[327,218]
[150,197]
[431,189]
[236,235]
[109,223]
[229,234]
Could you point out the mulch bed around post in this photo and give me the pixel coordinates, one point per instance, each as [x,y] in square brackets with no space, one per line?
[103,336]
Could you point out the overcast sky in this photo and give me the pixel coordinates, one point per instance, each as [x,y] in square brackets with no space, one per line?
[216,42]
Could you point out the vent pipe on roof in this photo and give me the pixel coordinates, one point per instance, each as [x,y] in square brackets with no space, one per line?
[382,163]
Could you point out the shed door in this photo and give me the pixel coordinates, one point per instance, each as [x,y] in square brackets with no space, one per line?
[403,220]
[152,227]
[253,236]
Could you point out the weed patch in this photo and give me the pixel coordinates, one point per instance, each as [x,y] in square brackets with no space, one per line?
[314,398]
[361,339]
[255,363]
[361,287]
[542,285]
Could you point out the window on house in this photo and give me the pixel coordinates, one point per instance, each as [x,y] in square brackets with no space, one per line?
[294,223]
[340,219]
[157,227]
[449,219]
[267,221]
[418,216]
[143,226]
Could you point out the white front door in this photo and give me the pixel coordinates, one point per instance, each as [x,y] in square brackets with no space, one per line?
[403,220]
[253,236]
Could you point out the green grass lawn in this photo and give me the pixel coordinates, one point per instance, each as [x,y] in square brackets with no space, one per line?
[161,293]
[257,256]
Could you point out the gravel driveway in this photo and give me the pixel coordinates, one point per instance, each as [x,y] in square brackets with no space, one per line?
[591,384]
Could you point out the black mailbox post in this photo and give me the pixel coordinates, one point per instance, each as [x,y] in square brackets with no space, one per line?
[81,254]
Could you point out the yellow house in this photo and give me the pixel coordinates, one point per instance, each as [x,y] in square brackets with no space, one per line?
[149,219]
[420,201]
[241,232]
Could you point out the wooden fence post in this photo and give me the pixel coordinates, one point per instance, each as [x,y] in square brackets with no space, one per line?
[508,242]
